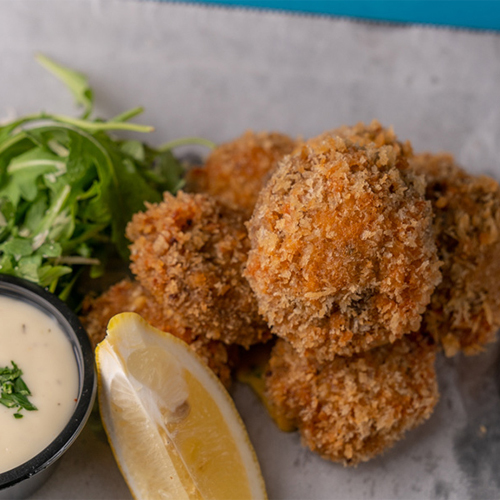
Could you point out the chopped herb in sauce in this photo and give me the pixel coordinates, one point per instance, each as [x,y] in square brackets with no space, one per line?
[13,390]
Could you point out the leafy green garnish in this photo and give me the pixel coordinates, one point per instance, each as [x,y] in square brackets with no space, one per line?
[13,390]
[68,188]
[76,82]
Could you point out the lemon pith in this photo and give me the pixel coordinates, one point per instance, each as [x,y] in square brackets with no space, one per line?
[173,428]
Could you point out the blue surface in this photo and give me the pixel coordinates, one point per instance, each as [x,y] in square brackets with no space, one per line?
[481,14]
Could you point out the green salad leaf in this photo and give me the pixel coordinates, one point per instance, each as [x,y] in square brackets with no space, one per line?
[76,82]
[68,188]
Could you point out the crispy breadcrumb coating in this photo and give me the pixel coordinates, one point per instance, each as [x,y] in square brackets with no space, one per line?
[188,252]
[364,135]
[129,296]
[464,312]
[236,171]
[351,409]
[343,257]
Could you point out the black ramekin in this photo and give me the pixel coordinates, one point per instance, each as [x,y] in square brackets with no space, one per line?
[23,480]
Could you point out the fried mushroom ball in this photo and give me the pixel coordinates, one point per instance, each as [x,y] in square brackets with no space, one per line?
[343,257]
[352,409]
[464,312]
[129,296]
[188,252]
[236,171]
[364,135]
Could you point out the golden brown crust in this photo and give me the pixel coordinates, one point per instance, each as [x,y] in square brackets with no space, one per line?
[236,171]
[129,296]
[343,257]
[188,252]
[464,313]
[352,409]
[364,135]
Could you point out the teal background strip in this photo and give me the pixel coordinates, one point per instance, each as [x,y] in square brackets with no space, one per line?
[480,14]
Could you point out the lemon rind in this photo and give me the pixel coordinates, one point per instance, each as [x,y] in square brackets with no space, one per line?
[193,363]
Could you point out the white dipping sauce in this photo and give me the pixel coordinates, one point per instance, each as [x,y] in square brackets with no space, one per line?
[39,347]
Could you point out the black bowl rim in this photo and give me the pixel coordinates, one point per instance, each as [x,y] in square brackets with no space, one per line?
[87,387]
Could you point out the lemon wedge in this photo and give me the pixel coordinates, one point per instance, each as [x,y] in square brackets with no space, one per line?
[172,426]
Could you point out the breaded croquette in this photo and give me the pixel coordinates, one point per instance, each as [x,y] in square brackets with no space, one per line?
[363,135]
[129,296]
[188,252]
[361,256]
[343,257]
[236,171]
[464,312]
[351,409]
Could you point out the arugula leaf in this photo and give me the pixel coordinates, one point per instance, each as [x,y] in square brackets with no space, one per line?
[47,274]
[68,188]
[6,264]
[25,171]
[19,247]
[52,249]
[164,170]
[76,82]
[135,149]
[7,217]
[27,267]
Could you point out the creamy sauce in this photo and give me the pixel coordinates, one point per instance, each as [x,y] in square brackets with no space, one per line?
[37,344]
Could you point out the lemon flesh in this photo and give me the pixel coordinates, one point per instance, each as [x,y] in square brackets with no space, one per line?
[173,428]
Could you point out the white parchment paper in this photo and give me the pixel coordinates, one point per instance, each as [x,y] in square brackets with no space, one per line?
[214,73]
